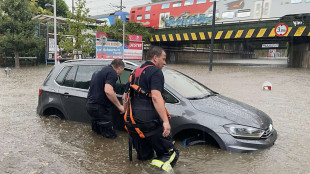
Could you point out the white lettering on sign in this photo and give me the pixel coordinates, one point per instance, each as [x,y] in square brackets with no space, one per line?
[270,45]
[135,45]
[113,44]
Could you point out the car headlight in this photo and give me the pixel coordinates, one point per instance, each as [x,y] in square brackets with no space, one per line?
[240,131]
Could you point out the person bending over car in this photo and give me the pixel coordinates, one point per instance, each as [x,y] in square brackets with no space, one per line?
[101,96]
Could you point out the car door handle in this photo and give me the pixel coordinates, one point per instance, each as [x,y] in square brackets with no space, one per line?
[66,95]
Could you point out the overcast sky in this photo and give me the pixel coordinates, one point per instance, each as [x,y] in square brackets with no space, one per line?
[97,7]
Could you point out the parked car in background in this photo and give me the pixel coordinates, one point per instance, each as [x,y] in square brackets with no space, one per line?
[199,114]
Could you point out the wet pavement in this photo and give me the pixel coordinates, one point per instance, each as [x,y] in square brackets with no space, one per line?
[34,144]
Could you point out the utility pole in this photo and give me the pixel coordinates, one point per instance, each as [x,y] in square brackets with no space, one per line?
[213,35]
[72,6]
[262,11]
[121,5]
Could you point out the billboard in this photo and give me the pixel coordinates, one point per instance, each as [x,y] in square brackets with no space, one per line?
[113,49]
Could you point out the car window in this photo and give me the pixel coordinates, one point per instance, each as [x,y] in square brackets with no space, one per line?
[48,76]
[169,98]
[84,74]
[122,81]
[184,85]
[62,75]
[69,79]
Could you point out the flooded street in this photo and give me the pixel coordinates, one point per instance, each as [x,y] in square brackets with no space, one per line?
[34,144]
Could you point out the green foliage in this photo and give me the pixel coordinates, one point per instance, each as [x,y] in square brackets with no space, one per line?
[76,36]
[39,7]
[135,28]
[131,28]
[17,28]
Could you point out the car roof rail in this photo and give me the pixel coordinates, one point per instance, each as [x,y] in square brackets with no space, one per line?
[77,60]
[130,63]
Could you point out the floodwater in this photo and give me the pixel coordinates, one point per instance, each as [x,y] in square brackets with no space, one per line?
[34,144]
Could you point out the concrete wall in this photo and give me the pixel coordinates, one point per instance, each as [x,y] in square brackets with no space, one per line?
[192,56]
[299,54]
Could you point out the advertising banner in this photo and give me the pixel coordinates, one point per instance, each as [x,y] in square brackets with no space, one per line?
[114,49]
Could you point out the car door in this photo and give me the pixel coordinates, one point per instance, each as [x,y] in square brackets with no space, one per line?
[74,92]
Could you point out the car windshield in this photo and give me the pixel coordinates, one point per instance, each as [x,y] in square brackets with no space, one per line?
[186,86]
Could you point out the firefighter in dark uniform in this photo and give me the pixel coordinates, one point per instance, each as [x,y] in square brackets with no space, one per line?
[101,96]
[149,113]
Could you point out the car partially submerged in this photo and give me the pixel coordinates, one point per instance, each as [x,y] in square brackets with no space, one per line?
[199,114]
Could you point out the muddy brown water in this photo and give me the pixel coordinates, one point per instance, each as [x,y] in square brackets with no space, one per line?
[34,144]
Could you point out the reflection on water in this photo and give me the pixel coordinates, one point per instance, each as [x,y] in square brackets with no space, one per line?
[35,144]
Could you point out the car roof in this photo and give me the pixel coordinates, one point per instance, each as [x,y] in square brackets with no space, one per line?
[128,64]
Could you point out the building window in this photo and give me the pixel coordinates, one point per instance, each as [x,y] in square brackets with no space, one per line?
[201,1]
[188,2]
[244,13]
[228,15]
[165,5]
[147,16]
[257,10]
[148,8]
[177,4]
[266,9]
[296,1]
[139,17]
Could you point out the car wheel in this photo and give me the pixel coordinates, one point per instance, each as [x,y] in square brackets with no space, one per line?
[54,113]
[56,116]
[196,140]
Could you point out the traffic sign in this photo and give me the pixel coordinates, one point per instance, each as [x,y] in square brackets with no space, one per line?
[281,29]
[103,40]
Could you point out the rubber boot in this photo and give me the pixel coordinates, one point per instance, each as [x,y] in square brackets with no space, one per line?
[106,129]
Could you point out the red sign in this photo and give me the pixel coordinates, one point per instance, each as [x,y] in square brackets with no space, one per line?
[135,38]
[281,29]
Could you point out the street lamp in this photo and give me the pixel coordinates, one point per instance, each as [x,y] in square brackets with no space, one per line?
[55,35]
[123,39]
[213,33]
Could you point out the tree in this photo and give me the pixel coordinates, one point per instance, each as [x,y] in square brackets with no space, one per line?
[38,6]
[135,28]
[17,27]
[78,27]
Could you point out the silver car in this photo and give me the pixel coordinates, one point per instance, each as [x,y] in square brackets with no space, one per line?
[199,115]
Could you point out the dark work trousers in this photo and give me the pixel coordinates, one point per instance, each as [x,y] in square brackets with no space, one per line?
[144,112]
[101,120]
[163,146]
